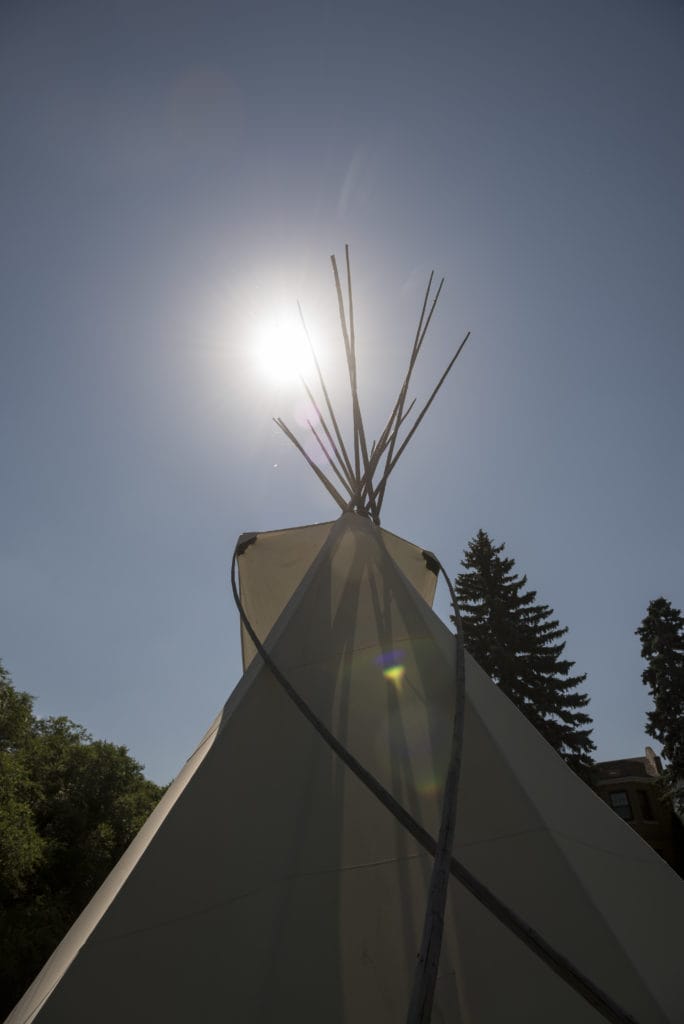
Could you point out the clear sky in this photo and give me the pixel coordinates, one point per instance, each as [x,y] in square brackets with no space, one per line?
[174,177]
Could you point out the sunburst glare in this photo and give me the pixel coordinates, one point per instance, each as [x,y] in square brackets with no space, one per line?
[282,350]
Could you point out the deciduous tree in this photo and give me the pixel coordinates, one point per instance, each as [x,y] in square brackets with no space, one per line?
[69,807]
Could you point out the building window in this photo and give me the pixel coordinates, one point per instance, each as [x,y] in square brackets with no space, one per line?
[619,801]
[645,805]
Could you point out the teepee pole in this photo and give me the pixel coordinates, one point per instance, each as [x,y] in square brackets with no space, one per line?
[350,365]
[378,450]
[417,345]
[362,430]
[392,464]
[348,481]
[330,461]
[396,410]
[332,491]
[360,445]
[427,966]
[336,428]
[355,468]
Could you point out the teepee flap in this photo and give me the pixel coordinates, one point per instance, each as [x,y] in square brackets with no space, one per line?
[272,565]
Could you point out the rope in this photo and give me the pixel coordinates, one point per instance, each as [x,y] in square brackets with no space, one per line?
[558,963]
[427,966]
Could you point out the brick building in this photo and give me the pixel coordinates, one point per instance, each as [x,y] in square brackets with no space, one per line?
[630,787]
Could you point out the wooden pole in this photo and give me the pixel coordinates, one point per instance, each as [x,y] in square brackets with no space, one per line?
[332,491]
[427,966]
[336,428]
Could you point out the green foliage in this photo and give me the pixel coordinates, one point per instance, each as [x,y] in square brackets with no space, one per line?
[16,714]
[69,807]
[21,846]
[662,645]
[519,645]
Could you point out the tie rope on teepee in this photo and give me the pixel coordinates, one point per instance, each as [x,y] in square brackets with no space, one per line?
[421,1001]
[361,471]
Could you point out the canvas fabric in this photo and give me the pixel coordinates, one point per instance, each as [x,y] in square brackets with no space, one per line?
[270,885]
[273,566]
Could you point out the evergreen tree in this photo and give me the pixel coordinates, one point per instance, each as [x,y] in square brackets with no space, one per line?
[520,645]
[662,645]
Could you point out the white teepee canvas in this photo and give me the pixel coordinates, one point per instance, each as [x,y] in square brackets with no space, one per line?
[271,885]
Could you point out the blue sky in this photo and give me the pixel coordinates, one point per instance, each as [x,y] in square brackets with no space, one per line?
[175,175]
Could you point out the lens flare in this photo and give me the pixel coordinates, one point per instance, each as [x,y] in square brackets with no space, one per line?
[425,744]
[395,675]
[392,669]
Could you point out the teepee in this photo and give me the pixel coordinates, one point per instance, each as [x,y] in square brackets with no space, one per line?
[370,831]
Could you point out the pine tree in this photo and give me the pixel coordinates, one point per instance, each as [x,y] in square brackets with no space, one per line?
[520,646]
[662,645]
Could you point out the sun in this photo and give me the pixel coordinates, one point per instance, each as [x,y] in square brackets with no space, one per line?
[282,350]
